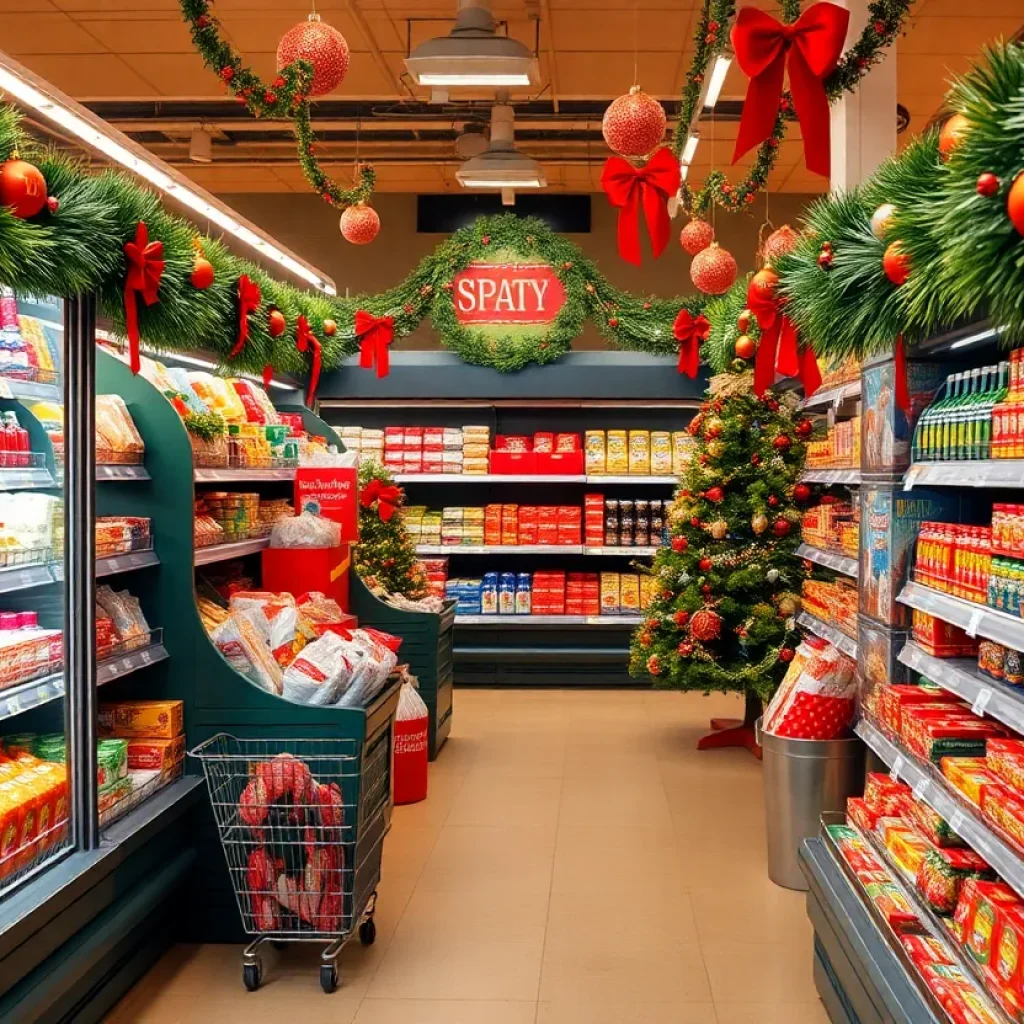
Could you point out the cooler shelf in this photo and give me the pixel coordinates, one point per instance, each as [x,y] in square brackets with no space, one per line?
[240,475]
[121,472]
[826,631]
[832,476]
[20,479]
[829,559]
[975,619]
[967,473]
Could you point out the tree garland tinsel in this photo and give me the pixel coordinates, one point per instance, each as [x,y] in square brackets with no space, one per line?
[285,97]
[727,584]
[885,20]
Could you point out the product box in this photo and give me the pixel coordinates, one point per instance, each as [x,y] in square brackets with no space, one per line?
[594,449]
[884,795]
[904,695]
[878,649]
[141,719]
[610,594]
[1005,758]
[617,453]
[941,639]
[306,570]
[969,776]
[155,754]
[1004,807]
[978,915]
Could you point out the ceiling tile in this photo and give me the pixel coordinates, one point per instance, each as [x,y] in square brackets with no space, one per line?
[24,35]
[92,76]
[140,33]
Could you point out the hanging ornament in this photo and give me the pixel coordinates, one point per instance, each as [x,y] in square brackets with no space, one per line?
[1015,203]
[322,46]
[359,224]
[763,284]
[773,501]
[654,665]
[714,494]
[801,493]
[778,243]
[628,188]
[952,134]
[881,221]
[634,124]
[681,618]
[276,323]
[755,459]
[705,564]
[202,271]
[781,443]
[745,347]
[786,654]
[705,625]
[713,270]
[987,184]
[144,269]
[826,257]
[713,427]
[696,236]
[896,264]
[718,529]
[689,331]
[375,334]
[679,544]
[685,649]
[330,328]
[804,428]
[22,188]
[772,575]
[743,321]
[781,527]
[759,523]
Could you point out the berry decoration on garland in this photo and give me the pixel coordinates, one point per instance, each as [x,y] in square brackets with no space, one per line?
[634,124]
[705,625]
[881,221]
[654,665]
[781,443]
[896,264]
[705,564]
[714,494]
[714,270]
[322,46]
[359,224]
[743,321]
[951,134]
[773,501]
[778,243]
[786,654]
[696,236]
[685,649]
[681,618]
[1015,203]
[276,323]
[22,187]
[987,184]
[745,347]
[52,204]
[826,257]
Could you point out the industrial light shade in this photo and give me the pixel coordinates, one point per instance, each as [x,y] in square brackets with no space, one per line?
[473,54]
[200,146]
[501,165]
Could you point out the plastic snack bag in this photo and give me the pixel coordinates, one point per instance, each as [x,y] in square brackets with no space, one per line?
[305,531]
[411,741]
[373,663]
[317,673]
[246,652]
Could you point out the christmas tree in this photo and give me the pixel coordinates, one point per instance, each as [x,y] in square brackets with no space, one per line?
[385,556]
[724,615]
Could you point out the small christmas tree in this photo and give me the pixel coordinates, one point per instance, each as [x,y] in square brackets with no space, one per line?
[385,556]
[724,615]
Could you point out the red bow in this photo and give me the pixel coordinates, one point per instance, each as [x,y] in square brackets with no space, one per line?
[900,375]
[375,333]
[814,44]
[690,331]
[305,340]
[248,302]
[625,185]
[778,350]
[145,268]
[387,497]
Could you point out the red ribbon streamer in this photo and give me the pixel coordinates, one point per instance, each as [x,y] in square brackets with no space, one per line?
[387,497]
[778,351]
[810,48]
[626,186]
[268,376]
[900,373]
[306,340]
[375,333]
[690,331]
[145,268]
[248,302]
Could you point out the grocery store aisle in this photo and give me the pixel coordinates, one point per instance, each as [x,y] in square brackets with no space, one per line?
[577,862]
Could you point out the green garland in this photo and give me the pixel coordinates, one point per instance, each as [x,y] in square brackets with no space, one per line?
[286,97]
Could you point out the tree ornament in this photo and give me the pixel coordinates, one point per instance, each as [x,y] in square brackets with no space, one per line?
[330,328]
[1015,203]
[772,575]
[801,493]
[276,323]
[759,523]
[696,236]
[896,263]
[679,544]
[654,665]
[714,494]
[645,639]
[685,649]
[714,270]
[716,449]
[705,625]
[22,188]
[987,184]
[359,224]
[778,243]
[681,617]
[952,134]
[781,527]
[718,529]
[773,500]
[881,221]
[763,284]
[781,443]
[202,273]
[706,590]
[52,204]
[634,124]
[745,347]
[713,427]
[804,428]
[695,521]
[788,605]
[826,258]
[755,459]
[705,564]
[743,321]
[786,654]
[322,46]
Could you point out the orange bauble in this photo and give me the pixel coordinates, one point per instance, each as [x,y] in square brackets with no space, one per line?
[714,270]
[745,347]
[896,264]
[634,124]
[202,273]
[696,236]
[1015,203]
[22,188]
[276,323]
[705,625]
[743,321]
[324,47]
[763,285]
[330,328]
[778,243]
[360,224]
[952,133]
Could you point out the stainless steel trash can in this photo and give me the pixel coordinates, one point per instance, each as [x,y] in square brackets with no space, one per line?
[802,780]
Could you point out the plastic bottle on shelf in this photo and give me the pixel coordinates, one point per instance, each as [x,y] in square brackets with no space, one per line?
[10,331]
[524,594]
[17,441]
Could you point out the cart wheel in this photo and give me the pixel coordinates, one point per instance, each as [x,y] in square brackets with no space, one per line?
[252,975]
[368,932]
[328,977]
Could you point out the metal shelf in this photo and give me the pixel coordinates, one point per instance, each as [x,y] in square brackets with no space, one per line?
[20,479]
[526,478]
[111,565]
[833,397]
[660,480]
[640,551]
[929,785]
[529,549]
[829,559]
[967,473]
[22,577]
[238,475]
[125,664]
[975,619]
[236,549]
[826,631]
[121,472]
[850,477]
[34,391]
[527,621]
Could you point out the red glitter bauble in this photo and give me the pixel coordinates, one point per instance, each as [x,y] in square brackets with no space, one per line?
[634,124]
[763,284]
[681,618]
[781,443]
[696,236]
[360,224]
[773,500]
[781,527]
[202,273]
[714,270]
[22,188]
[755,459]
[324,47]
[804,428]
[705,564]
[786,654]
[705,625]
[679,544]
[896,264]
[778,243]
[715,494]
[685,649]
[801,492]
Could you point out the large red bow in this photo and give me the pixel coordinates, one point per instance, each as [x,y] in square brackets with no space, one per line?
[814,44]
[387,496]
[375,333]
[144,270]
[625,186]
[778,350]
[248,302]
[306,340]
[690,331]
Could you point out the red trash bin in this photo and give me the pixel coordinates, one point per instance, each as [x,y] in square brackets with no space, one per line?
[410,770]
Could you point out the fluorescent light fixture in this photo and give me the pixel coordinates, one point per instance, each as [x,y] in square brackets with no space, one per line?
[684,170]
[973,339]
[55,106]
[501,165]
[473,54]
[498,183]
[716,80]
[689,149]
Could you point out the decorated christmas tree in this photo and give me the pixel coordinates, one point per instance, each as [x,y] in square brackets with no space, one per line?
[385,556]
[723,617]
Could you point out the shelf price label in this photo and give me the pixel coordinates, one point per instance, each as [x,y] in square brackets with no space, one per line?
[956,820]
[920,788]
[981,702]
[897,765]
[971,629]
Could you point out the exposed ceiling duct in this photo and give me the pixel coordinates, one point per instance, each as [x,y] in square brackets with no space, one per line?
[501,165]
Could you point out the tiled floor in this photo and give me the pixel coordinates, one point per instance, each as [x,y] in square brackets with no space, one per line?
[577,862]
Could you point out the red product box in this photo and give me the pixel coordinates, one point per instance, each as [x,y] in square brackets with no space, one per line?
[570,513]
[860,814]
[506,463]
[528,534]
[898,696]
[306,570]
[1004,807]
[558,463]
[435,448]
[414,433]
[543,441]
[567,442]
[882,794]
[512,443]
[1006,759]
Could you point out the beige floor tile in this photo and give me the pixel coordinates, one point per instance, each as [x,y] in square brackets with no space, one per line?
[445,1011]
[442,789]
[774,972]
[602,768]
[644,924]
[598,859]
[771,1013]
[482,914]
[618,804]
[586,1012]
[260,1007]
[766,913]
[507,800]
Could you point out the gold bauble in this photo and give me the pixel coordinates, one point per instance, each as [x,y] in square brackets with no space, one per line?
[789,605]
[759,523]
[716,449]
[718,529]
[713,427]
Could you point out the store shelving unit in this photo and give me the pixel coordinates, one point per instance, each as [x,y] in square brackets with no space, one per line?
[534,549]
[975,619]
[828,632]
[1008,473]
[831,398]
[121,472]
[534,621]
[830,477]
[230,475]
[527,478]
[829,559]
[234,549]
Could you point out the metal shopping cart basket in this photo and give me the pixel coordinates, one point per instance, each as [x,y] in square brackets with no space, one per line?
[302,823]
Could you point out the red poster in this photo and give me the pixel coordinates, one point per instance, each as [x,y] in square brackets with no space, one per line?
[507,293]
[332,493]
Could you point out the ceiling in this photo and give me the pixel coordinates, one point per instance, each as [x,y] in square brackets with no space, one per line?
[133,61]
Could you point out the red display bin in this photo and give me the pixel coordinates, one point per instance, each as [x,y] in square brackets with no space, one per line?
[300,570]
[513,462]
[559,463]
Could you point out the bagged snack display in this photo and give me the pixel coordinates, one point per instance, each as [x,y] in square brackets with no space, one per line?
[245,650]
[373,661]
[318,673]
[125,612]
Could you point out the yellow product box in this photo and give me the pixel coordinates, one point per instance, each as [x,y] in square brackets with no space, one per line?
[609,593]
[661,453]
[617,458]
[475,451]
[142,719]
[682,451]
[629,592]
[648,591]
[594,448]
[640,452]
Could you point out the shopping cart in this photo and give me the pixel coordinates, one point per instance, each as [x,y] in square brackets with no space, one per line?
[302,823]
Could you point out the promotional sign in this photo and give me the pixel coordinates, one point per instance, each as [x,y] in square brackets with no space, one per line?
[507,293]
[331,492]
